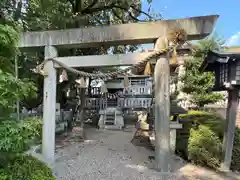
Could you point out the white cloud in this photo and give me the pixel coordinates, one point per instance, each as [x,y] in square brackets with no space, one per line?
[234,40]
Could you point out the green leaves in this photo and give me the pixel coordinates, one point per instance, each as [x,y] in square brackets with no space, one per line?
[12,89]
[16,137]
[206,98]
[205,141]
[204,147]
[8,41]
[24,167]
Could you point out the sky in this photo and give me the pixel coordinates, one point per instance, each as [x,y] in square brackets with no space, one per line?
[228,24]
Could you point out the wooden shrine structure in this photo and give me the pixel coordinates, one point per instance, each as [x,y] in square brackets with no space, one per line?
[137,95]
[132,33]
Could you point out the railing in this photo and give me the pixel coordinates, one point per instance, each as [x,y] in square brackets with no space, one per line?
[95,103]
[134,82]
[138,90]
[134,102]
[99,103]
[95,91]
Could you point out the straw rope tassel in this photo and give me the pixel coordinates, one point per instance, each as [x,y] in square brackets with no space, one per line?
[147,70]
[174,56]
[103,88]
[126,81]
[81,82]
[63,76]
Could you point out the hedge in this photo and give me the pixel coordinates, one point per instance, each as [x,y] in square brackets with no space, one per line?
[16,137]
[26,167]
[235,165]
[200,139]
[204,147]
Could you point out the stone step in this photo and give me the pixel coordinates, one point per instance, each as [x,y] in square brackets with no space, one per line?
[110,117]
[112,127]
[109,120]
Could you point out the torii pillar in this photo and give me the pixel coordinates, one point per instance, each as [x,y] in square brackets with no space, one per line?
[49,105]
[162,109]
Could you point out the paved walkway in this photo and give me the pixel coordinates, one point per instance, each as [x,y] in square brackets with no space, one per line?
[109,155]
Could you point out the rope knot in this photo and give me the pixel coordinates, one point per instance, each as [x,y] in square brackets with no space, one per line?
[178,36]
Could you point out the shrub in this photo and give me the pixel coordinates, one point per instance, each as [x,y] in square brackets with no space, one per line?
[200,138]
[3,174]
[212,120]
[16,137]
[204,147]
[33,126]
[26,168]
[12,137]
[235,165]
[192,120]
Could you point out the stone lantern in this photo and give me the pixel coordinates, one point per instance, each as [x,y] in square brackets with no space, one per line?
[226,67]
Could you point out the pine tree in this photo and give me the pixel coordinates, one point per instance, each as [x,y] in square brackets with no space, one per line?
[198,84]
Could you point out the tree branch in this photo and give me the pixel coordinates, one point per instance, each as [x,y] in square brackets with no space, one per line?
[94,2]
[87,11]
[99,22]
[71,2]
[134,18]
[142,12]
[115,14]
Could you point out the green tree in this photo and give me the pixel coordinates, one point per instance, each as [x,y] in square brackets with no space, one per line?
[195,83]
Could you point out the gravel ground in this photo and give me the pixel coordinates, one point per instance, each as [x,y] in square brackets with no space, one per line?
[109,155]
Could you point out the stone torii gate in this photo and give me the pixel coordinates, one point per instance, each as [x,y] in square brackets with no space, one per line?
[133,33]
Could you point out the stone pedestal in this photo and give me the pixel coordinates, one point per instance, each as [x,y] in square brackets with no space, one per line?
[173,131]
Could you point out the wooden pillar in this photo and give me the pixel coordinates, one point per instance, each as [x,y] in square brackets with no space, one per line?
[229,131]
[82,107]
[181,72]
[162,110]
[49,106]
